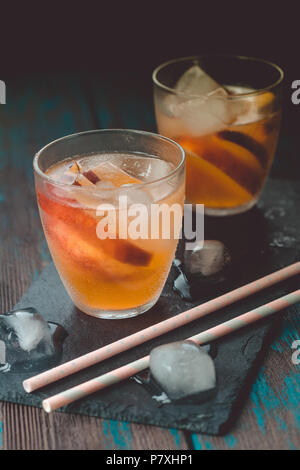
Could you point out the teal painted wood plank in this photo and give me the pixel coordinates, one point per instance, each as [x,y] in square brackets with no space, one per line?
[137,113]
[38,112]
[125,104]
[118,435]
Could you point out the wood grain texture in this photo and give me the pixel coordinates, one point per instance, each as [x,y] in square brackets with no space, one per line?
[29,428]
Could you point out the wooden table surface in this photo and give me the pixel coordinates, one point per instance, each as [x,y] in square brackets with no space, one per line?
[41,110]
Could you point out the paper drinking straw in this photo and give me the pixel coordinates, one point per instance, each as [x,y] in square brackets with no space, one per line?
[117,375]
[157,329]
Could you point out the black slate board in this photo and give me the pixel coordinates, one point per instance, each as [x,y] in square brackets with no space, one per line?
[261,241]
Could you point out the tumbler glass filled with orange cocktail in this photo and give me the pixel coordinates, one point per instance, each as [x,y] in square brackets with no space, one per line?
[225,111]
[80,181]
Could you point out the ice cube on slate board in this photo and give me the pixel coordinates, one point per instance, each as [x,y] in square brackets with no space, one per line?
[208,259]
[28,340]
[184,370]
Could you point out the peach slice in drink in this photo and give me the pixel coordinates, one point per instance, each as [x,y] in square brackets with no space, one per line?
[209,183]
[235,161]
[81,221]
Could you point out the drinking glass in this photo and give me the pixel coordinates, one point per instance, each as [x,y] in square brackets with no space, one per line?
[229,132]
[122,275]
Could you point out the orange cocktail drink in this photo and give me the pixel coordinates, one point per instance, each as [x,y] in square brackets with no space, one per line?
[95,193]
[225,112]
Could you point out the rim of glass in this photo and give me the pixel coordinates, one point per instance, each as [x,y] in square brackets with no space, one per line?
[224,56]
[96,131]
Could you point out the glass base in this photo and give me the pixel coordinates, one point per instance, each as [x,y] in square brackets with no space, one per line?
[116,314]
[230,210]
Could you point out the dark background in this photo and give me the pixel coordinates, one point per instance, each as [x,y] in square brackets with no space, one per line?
[120,43]
[123,37]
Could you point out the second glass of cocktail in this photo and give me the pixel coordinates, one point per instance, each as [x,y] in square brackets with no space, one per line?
[113,257]
[225,111]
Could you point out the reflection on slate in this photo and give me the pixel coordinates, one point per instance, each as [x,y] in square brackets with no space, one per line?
[245,239]
[261,241]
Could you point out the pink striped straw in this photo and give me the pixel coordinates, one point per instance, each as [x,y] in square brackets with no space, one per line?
[94,357]
[117,375]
